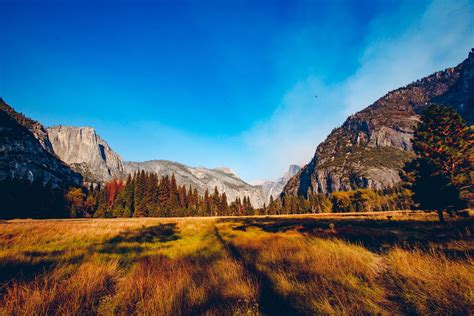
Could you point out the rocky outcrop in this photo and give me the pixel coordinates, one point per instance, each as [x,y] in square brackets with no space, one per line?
[26,153]
[87,153]
[202,179]
[274,188]
[370,148]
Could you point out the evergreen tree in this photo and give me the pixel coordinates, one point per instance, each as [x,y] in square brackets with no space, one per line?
[207,207]
[164,195]
[139,194]
[441,175]
[215,202]
[224,205]
[173,201]
[129,196]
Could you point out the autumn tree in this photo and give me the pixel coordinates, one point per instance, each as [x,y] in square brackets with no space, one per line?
[76,198]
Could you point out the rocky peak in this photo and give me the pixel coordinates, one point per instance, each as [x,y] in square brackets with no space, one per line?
[274,188]
[86,152]
[226,170]
[292,170]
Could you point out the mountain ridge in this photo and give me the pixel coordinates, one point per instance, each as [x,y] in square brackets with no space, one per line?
[26,153]
[369,149]
[201,178]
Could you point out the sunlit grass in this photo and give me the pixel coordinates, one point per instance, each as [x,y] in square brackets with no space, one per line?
[218,266]
[430,283]
[316,276]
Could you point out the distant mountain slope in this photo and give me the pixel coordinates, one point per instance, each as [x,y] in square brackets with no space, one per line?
[274,188]
[202,178]
[86,153]
[370,148]
[26,153]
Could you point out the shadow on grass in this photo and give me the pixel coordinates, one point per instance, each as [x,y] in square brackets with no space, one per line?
[131,242]
[375,235]
[17,270]
[270,302]
[34,263]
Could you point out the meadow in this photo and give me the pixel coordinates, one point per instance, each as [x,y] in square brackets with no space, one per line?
[334,264]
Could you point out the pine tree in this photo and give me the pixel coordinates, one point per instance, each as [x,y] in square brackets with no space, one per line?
[207,207]
[173,201]
[215,202]
[129,196]
[224,205]
[441,175]
[164,195]
[139,194]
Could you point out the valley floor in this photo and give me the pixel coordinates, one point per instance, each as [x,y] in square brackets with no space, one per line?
[361,263]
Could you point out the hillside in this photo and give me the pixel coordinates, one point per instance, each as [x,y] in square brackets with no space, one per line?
[370,148]
[26,153]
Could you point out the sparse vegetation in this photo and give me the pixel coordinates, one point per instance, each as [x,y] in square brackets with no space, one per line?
[318,264]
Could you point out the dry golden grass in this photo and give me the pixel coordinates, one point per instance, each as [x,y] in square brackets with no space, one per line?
[317,276]
[430,283]
[157,267]
[67,290]
[215,266]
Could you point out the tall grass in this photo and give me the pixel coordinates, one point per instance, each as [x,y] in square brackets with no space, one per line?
[318,276]
[430,283]
[228,266]
[121,270]
[67,290]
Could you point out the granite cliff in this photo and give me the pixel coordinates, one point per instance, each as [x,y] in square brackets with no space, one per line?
[86,152]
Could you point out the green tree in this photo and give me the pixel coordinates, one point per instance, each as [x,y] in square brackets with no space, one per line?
[441,175]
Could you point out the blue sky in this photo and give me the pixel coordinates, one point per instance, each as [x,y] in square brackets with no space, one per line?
[220,83]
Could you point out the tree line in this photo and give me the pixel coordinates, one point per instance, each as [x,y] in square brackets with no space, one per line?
[360,200]
[145,194]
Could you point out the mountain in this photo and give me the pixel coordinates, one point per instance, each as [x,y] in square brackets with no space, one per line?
[370,148]
[274,188]
[26,153]
[202,178]
[87,153]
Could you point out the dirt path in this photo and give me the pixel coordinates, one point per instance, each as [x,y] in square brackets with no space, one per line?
[270,302]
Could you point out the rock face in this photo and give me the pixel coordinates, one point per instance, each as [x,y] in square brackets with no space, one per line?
[26,153]
[87,153]
[370,148]
[274,188]
[202,178]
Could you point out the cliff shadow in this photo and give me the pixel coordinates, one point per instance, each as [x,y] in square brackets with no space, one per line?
[374,234]
[133,242]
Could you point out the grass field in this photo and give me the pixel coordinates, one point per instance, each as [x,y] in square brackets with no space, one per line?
[379,263]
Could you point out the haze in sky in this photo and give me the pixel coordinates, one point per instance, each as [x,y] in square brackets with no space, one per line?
[220,83]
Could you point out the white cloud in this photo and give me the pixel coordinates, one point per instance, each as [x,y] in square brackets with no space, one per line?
[290,135]
[438,38]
